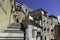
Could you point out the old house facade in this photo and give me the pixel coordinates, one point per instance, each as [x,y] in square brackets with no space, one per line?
[47,22]
[35,17]
[27,24]
[53,24]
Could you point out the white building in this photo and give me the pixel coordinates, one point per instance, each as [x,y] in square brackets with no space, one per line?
[53,23]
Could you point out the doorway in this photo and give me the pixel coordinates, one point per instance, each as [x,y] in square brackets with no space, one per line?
[17,20]
[45,38]
[52,39]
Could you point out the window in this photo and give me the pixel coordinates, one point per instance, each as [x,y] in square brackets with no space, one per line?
[45,38]
[38,34]
[44,20]
[33,34]
[52,30]
[17,6]
[14,16]
[38,22]
[20,7]
[26,10]
[48,29]
[44,23]
[17,20]
[41,23]
[51,23]
[44,29]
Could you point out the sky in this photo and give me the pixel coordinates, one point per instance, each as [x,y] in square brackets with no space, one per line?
[51,6]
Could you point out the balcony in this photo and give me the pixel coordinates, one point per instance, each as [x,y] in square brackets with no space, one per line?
[34,23]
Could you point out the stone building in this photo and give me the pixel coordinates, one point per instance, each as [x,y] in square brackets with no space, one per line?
[19,22]
[21,10]
[49,23]
[21,16]
[46,22]
[35,19]
[53,24]
[10,19]
[5,13]
[40,25]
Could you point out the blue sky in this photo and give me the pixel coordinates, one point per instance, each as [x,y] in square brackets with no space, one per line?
[51,6]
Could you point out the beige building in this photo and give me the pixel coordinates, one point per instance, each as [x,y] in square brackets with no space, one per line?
[36,18]
[47,22]
[10,13]
[21,10]
[53,24]
[40,26]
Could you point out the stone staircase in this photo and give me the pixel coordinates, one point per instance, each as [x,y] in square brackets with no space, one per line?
[12,32]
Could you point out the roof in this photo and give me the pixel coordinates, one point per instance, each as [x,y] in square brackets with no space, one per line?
[38,12]
[52,16]
[41,9]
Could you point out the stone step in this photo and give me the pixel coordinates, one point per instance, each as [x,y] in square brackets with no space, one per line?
[14,27]
[11,38]
[13,31]
[14,24]
[11,35]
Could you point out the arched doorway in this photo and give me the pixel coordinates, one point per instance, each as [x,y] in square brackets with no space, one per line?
[17,20]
